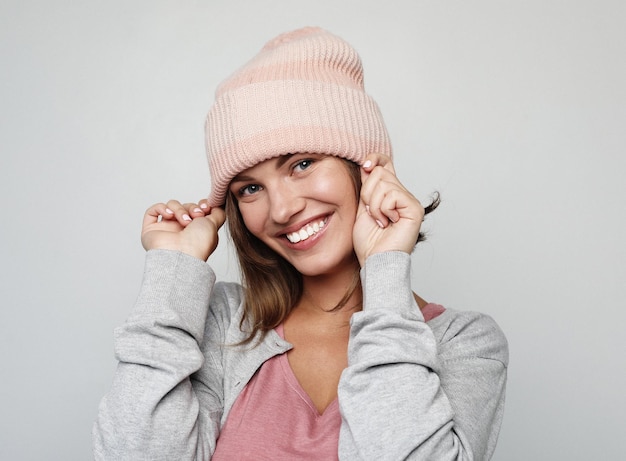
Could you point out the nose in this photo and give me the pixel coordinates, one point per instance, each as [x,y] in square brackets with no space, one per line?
[285,202]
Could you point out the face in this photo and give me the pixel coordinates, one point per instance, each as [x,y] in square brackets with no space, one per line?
[302,206]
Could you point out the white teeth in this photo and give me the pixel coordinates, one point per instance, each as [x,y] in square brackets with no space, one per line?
[306,232]
[294,238]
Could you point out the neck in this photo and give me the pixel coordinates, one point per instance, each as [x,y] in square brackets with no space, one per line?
[317,310]
[327,290]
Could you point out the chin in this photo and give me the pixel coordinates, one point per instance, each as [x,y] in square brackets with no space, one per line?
[326,266]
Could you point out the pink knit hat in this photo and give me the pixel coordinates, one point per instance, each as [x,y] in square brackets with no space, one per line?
[302,93]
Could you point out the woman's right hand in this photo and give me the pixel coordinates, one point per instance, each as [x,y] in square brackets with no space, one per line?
[190,228]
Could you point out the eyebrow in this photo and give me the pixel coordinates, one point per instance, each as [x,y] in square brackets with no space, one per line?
[280,162]
[241,177]
[283,159]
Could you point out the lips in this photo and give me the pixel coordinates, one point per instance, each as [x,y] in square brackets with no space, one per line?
[306,231]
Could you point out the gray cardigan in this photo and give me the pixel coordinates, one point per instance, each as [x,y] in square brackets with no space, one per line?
[411,390]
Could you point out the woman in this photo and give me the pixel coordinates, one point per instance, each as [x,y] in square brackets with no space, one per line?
[326,353]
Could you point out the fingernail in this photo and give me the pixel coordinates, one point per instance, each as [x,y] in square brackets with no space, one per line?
[186,217]
[167,210]
[204,206]
[197,210]
[367,164]
[380,224]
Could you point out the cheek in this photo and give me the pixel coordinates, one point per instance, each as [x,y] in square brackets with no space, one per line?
[335,187]
[253,218]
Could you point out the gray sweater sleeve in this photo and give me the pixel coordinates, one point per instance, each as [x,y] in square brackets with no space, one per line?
[157,409]
[414,390]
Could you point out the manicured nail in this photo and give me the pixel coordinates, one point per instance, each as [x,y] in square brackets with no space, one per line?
[168,211]
[204,206]
[186,217]
[367,164]
[197,210]
[380,224]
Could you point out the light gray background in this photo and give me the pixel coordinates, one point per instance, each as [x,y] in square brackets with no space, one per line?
[514,110]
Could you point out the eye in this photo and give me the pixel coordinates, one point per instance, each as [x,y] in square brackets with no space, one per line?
[249,189]
[303,164]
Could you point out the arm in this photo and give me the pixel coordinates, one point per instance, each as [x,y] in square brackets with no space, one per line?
[157,407]
[408,394]
[152,410]
[411,391]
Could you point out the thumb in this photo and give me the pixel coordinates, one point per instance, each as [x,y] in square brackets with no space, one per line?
[217,216]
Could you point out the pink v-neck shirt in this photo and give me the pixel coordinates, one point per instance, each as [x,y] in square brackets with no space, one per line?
[273,414]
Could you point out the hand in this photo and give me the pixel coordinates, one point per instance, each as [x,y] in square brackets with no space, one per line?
[190,228]
[388,217]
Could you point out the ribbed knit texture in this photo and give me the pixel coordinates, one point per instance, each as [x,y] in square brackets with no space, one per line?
[302,93]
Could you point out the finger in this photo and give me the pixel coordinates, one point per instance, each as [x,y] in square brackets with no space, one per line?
[388,206]
[156,212]
[371,162]
[380,207]
[204,204]
[368,185]
[398,204]
[374,160]
[180,212]
[194,210]
[380,174]
[373,191]
[380,190]
[217,216]
[375,164]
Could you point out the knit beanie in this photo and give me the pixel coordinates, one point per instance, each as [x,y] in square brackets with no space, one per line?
[303,92]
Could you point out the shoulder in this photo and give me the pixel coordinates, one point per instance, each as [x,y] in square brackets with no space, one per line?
[467,334]
[226,301]
[227,293]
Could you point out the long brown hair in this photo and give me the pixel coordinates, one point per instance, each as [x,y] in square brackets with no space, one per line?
[272,286]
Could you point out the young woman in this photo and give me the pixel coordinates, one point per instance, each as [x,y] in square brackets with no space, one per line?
[324,351]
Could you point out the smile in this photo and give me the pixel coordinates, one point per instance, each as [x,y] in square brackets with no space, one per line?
[307,231]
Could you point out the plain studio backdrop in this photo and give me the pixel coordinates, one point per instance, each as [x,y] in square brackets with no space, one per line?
[514,110]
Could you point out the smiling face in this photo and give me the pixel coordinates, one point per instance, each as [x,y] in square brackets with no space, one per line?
[303,207]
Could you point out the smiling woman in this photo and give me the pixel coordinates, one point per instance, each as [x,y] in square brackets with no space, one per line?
[319,192]
[324,351]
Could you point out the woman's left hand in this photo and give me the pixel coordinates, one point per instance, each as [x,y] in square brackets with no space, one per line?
[388,217]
